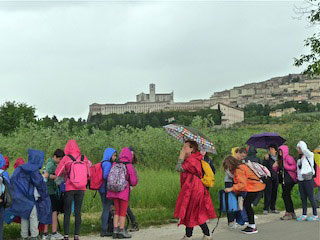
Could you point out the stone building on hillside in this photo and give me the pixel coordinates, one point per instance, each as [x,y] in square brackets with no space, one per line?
[282,112]
[146,103]
[154,97]
[230,115]
[293,87]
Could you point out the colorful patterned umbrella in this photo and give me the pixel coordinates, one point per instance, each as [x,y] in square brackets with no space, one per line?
[182,134]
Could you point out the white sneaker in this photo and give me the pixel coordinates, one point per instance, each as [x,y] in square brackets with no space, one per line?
[234,226]
[186,238]
[56,236]
[206,237]
[45,237]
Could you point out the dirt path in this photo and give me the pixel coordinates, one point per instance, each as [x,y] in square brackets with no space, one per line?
[267,223]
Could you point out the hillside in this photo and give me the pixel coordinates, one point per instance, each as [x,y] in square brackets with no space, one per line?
[278,90]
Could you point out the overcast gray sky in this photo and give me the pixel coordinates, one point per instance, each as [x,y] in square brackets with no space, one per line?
[62,56]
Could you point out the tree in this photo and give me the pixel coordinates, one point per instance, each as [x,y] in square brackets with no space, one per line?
[154,122]
[253,109]
[12,113]
[46,122]
[313,58]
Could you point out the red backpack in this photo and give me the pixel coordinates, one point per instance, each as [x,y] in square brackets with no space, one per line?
[96,176]
[78,174]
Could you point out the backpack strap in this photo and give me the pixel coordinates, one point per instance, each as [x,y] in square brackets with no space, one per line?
[310,163]
[71,157]
[226,199]
[258,180]
[220,210]
[314,166]
[203,172]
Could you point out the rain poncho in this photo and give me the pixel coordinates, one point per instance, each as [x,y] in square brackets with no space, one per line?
[28,189]
[194,205]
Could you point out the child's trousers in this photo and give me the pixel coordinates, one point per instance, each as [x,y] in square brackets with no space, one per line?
[31,223]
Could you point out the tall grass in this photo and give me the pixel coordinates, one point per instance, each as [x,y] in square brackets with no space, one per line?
[153,200]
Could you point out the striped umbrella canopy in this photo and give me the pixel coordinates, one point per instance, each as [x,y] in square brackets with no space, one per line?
[182,133]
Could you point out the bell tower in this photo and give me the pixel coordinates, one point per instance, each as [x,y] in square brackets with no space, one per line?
[152,95]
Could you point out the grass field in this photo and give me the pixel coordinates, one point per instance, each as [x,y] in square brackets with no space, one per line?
[153,200]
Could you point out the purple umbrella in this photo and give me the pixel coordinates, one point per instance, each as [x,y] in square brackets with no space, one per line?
[263,140]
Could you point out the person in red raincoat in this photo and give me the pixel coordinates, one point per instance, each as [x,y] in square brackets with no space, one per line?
[194,206]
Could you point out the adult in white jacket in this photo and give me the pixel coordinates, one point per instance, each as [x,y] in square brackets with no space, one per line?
[305,172]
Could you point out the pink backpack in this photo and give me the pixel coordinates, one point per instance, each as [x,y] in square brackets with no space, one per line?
[78,174]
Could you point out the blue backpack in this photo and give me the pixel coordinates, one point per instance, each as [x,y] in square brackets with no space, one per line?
[228,202]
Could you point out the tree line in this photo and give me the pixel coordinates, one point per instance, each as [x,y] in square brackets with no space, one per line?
[13,113]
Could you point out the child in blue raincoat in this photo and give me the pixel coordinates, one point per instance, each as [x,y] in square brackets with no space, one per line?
[5,175]
[30,195]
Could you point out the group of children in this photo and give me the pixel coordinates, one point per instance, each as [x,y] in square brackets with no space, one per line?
[194,206]
[38,197]
[284,170]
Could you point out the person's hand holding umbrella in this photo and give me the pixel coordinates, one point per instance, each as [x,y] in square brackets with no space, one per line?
[183,154]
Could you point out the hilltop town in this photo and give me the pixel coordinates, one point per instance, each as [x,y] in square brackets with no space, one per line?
[293,87]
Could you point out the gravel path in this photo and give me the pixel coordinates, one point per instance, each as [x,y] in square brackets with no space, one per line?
[265,223]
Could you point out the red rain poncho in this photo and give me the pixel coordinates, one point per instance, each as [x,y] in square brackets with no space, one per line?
[194,206]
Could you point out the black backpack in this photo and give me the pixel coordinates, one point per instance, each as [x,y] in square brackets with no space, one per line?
[6,197]
[209,161]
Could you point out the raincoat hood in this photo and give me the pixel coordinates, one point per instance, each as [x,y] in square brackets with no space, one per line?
[72,148]
[18,162]
[2,161]
[7,164]
[303,146]
[126,155]
[108,154]
[233,151]
[252,151]
[36,157]
[197,155]
[285,151]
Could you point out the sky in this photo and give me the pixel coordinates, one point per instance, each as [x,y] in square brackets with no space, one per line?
[62,56]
